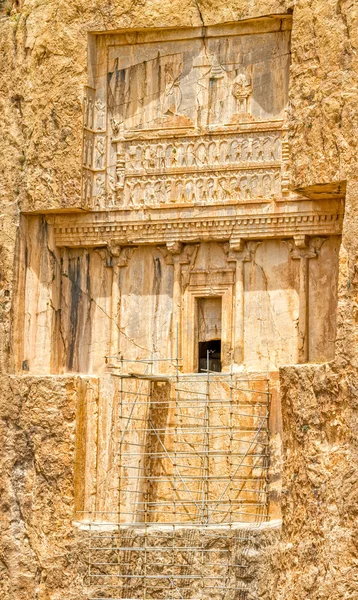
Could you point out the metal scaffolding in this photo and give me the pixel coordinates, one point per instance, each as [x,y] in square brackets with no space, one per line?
[193,459]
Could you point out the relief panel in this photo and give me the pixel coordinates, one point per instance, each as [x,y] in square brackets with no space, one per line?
[94,193]
[187,121]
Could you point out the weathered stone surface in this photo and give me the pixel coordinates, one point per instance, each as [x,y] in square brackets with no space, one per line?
[319,547]
[43,71]
[42,555]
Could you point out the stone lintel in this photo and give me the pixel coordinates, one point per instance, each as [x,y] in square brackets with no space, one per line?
[92,231]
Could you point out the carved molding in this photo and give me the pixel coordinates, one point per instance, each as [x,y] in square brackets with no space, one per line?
[90,231]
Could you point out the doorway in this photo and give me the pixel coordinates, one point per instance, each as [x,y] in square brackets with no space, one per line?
[209,333]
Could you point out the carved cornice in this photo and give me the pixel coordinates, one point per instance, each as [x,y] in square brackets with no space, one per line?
[90,230]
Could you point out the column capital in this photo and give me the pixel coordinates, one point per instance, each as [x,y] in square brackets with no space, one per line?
[175,247]
[114,249]
[303,246]
[244,251]
[119,256]
[177,252]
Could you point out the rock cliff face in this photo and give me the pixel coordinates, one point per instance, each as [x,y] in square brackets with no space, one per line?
[43,68]
[41,552]
[320,483]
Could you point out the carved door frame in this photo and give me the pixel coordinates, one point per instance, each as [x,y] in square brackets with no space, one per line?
[190,322]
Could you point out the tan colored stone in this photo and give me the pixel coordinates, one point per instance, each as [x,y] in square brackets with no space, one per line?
[43,60]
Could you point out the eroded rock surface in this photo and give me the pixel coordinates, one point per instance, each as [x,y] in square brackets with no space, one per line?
[43,72]
[319,551]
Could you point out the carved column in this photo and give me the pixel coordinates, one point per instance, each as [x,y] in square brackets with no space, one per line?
[175,249]
[303,248]
[119,257]
[176,254]
[240,252]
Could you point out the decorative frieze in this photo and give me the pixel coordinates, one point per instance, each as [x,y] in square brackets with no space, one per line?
[98,232]
[210,187]
[198,153]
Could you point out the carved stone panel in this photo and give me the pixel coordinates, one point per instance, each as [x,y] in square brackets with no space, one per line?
[201,169]
[178,120]
[94,160]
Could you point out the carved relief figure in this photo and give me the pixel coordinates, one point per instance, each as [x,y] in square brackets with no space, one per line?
[89,117]
[117,127]
[120,173]
[100,185]
[249,149]
[172,92]
[99,159]
[190,191]
[168,190]
[112,191]
[85,111]
[274,152]
[201,154]
[168,156]
[258,150]
[149,158]
[266,185]
[233,186]
[181,155]
[254,186]
[161,156]
[179,196]
[244,150]
[224,190]
[277,184]
[245,192]
[158,195]
[100,191]
[89,145]
[236,148]
[200,190]
[132,154]
[242,89]
[87,186]
[84,153]
[212,193]
[149,193]
[222,152]
[191,155]
[100,114]
[137,195]
[129,195]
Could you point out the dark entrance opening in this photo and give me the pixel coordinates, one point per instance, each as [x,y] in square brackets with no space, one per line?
[211,349]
